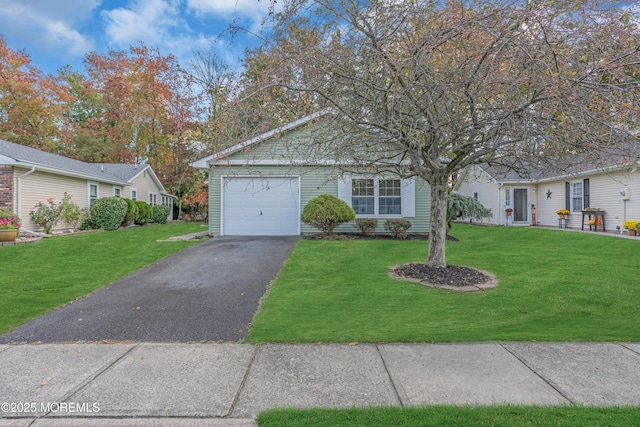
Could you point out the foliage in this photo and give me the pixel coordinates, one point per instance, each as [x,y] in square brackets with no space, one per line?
[108,213]
[630,225]
[459,205]
[326,212]
[563,212]
[339,291]
[70,212]
[196,202]
[8,220]
[41,277]
[160,214]
[46,215]
[367,226]
[145,212]
[30,103]
[397,227]
[132,212]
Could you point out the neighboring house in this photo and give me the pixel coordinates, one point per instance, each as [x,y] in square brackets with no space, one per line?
[534,201]
[29,176]
[260,186]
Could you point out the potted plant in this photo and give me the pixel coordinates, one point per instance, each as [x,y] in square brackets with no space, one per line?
[632,226]
[562,213]
[9,226]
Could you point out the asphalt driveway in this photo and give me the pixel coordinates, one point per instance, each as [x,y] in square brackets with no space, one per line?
[206,292]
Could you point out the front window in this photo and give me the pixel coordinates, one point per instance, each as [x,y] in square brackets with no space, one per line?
[576,196]
[153,199]
[117,191]
[134,194]
[390,200]
[93,193]
[507,197]
[372,197]
[363,196]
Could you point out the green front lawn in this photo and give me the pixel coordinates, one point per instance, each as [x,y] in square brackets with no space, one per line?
[38,277]
[553,286]
[451,416]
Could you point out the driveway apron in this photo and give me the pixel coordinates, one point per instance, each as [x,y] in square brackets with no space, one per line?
[206,292]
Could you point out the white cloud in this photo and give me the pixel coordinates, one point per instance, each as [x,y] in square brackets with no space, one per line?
[151,21]
[252,9]
[48,26]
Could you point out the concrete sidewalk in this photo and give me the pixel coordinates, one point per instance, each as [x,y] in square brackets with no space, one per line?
[158,384]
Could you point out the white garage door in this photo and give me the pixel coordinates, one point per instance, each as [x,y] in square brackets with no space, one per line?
[260,206]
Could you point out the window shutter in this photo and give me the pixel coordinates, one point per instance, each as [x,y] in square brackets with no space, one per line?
[344,189]
[409,198]
[567,196]
[585,193]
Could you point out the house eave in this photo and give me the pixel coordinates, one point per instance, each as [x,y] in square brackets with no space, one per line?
[207,162]
[63,172]
[613,168]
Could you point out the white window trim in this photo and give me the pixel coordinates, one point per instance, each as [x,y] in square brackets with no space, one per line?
[407,195]
[133,189]
[89,184]
[152,193]
[571,184]
[117,187]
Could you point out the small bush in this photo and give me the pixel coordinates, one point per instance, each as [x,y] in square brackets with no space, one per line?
[89,224]
[367,226]
[132,212]
[70,212]
[326,212]
[145,212]
[46,215]
[397,227]
[108,213]
[160,214]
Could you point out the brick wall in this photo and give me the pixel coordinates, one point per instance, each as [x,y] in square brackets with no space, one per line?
[6,187]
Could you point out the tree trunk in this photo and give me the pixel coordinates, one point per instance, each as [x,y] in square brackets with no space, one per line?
[438,224]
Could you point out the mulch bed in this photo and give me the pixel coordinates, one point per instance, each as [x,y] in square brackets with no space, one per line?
[451,275]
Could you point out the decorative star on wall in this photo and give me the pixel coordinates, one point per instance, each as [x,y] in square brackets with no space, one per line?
[549,193]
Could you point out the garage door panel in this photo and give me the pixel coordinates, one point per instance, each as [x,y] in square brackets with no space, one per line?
[260,206]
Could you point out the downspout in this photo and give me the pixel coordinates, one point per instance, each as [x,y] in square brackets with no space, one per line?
[19,198]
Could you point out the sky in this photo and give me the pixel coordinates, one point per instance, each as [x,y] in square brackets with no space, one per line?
[59,32]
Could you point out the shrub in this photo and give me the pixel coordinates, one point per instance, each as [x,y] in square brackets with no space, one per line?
[145,212]
[46,215]
[367,226]
[326,212]
[70,212]
[108,213]
[160,214]
[132,212]
[397,227]
[89,224]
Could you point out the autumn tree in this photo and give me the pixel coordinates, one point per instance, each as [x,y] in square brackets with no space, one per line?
[30,102]
[142,102]
[424,88]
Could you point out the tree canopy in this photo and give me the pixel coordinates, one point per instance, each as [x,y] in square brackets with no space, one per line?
[425,88]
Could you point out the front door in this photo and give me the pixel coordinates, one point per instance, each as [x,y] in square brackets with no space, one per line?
[520,205]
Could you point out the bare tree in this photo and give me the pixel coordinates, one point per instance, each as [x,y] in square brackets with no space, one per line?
[214,77]
[425,88]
